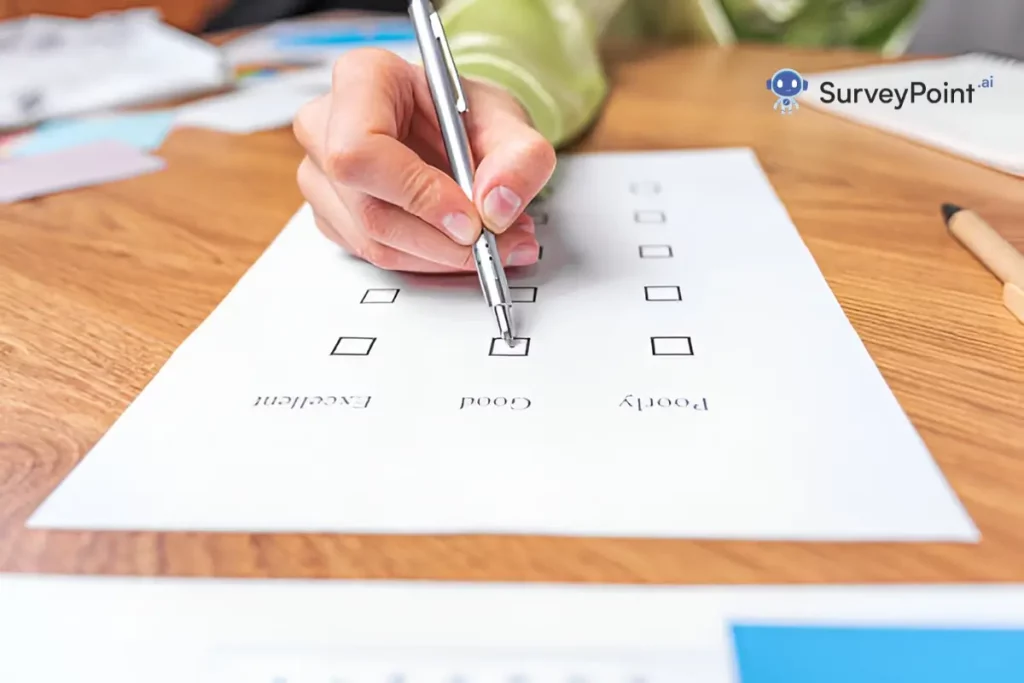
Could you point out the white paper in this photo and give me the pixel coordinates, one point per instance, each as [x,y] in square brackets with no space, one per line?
[779,424]
[985,129]
[267,44]
[128,630]
[260,107]
[54,67]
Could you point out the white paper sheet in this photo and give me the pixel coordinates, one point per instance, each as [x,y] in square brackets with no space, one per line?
[905,98]
[55,67]
[128,630]
[761,417]
[260,107]
[322,40]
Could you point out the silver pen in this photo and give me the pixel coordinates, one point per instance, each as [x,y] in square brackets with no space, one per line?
[450,103]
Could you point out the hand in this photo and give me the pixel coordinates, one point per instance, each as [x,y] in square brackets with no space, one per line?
[377,176]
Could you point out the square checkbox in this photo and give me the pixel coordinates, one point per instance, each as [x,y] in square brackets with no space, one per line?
[645,188]
[540,218]
[649,216]
[379,296]
[671,346]
[353,346]
[521,347]
[655,251]
[523,295]
[663,293]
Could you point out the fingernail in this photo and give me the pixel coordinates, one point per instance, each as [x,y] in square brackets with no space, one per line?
[523,255]
[501,206]
[459,227]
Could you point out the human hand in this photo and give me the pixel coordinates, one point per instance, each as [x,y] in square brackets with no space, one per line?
[377,176]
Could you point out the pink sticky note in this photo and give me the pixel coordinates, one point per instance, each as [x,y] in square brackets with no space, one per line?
[72,168]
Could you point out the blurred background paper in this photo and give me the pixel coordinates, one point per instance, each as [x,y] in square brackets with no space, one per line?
[56,67]
[86,165]
[322,41]
[142,130]
[260,107]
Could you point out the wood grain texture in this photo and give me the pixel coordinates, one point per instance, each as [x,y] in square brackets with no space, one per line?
[97,288]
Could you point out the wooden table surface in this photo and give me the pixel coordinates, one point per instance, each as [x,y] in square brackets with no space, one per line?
[99,286]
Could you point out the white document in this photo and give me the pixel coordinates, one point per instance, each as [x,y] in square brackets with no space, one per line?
[322,40]
[684,371]
[55,67]
[257,108]
[130,630]
[928,102]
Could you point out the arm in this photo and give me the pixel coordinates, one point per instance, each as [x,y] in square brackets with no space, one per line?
[542,51]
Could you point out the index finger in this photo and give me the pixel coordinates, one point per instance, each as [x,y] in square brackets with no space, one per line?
[372,106]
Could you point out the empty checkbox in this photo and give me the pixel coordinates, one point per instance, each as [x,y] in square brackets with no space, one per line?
[671,346]
[647,216]
[663,293]
[520,347]
[523,295]
[655,251]
[353,346]
[645,188]
[379,296]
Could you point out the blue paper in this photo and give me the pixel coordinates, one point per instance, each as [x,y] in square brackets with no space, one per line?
[145,131]
[355,33]
[804,654]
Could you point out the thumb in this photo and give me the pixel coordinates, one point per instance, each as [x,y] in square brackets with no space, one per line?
[515,162]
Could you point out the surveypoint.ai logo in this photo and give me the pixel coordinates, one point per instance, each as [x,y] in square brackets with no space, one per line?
[899,95]
[877,89]
[786,84]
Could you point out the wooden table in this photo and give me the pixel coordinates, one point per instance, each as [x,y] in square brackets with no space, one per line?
[98,287]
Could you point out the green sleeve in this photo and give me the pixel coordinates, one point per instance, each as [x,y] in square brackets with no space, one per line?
[881,25]
[544,52]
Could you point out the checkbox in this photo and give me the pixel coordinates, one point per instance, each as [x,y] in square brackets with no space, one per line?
[379,296]
[353,346]
[648,216]
[663,293]
[540,218]
[523,295]
[655,251]
[645,188]
[671,346]
[521,347]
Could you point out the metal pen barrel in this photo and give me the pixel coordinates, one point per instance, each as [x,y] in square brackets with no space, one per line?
[445,87]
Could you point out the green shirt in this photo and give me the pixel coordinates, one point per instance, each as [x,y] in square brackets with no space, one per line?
[546,52]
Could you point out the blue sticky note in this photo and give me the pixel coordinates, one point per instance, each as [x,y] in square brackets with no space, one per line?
[145,131]
[807,654]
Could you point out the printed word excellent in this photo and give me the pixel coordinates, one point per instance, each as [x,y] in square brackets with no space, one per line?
[917,89]
[300,402]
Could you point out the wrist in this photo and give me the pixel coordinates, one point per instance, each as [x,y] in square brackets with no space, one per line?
[507,99]
[517,86]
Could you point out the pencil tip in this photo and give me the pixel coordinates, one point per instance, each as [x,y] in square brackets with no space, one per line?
[948,210]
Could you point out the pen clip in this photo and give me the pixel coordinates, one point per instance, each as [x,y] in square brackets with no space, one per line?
[453,74]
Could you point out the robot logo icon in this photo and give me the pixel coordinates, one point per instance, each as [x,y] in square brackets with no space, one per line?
[786,84]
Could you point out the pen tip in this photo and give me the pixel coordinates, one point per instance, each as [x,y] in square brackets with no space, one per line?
[504,316]
[948,210]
